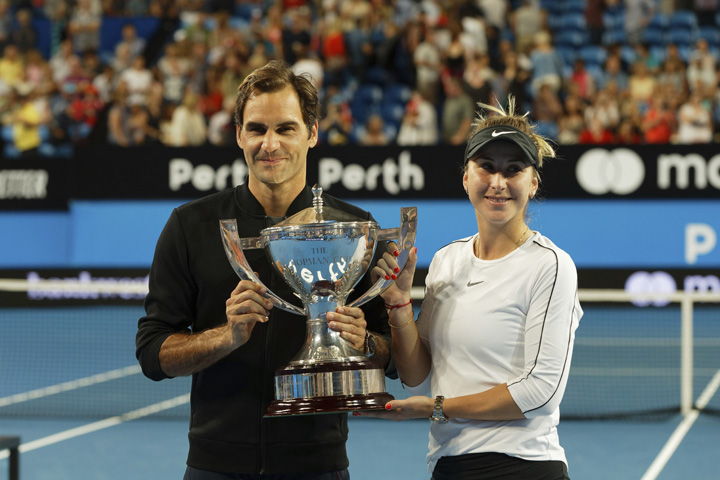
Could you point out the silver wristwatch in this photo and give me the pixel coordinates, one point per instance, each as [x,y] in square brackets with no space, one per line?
[437,413]
[369,347]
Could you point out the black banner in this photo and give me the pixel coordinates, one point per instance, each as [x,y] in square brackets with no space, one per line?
[35,184]
[105,172]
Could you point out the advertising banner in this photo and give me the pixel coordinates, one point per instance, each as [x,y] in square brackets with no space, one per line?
[390,172]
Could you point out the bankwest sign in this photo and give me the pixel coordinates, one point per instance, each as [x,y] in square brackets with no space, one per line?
[105,172]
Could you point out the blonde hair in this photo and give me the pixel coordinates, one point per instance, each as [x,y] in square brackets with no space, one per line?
[507,116]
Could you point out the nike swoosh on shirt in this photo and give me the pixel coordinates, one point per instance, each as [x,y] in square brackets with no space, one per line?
[497,134]
[471,283]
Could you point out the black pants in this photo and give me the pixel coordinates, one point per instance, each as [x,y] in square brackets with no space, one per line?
[497,466]
[197,474]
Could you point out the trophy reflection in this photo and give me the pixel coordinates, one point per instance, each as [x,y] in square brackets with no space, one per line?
[322,253]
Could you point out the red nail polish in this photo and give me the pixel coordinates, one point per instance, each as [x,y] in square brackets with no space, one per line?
[396,253]
[388,407]
[387,277]
[394,277]
[397,269]
[356,414]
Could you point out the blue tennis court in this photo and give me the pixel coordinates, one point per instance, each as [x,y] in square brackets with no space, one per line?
[70,387]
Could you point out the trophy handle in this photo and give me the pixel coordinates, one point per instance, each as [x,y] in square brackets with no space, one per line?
[405,236]
[234,250]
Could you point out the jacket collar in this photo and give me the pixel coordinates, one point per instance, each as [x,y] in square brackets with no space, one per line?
[251,205]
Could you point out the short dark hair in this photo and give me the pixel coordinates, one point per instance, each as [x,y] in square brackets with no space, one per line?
[275,76]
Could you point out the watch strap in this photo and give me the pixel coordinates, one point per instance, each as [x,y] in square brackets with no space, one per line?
[437,413]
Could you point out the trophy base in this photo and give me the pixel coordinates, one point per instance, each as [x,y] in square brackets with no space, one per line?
[328,387]
[335,404]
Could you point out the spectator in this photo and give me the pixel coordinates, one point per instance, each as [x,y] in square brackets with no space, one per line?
[658,121]
[428,66]
[138,80]
[648,57]
[478,79]
[232,75]
[637,15]
[613,72]
[336,126]
[456,55]
[495,13]
[221,127]
[130,38]
[23,36]
[358,42]
[526,22]
[605,109]
[627,133]
[701,73]
[581,81]
[641,84]
[594,10]
[198,67]
[419,124]
[211,99]
[548,110]
[60,61]
[174,70]
[27,121]
[138,125]
[11,66]
[36,68]
[457,113]
[188,127]
[547,64]
[298,31]
[84,111]
[118,118]
[513,80]
[5,23]
[694,121]
[84,26]
[374,132]
[308,63]
[596,134]
[105,83]
[572,121]
[673,74]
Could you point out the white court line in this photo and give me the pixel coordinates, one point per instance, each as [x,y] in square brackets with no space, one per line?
[101,424]
[71,385]
[682,429]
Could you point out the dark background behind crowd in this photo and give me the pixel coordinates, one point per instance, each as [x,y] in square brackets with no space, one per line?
[132,72]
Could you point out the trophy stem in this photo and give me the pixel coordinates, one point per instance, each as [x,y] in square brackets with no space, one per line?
[321,343]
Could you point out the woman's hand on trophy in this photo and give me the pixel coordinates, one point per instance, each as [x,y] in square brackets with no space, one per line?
[398,410]
[350,322]
[397,292]
[245,307]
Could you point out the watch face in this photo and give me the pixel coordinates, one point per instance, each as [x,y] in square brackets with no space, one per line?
[369,345]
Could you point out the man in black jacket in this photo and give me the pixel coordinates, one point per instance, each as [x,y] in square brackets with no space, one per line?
[201,321]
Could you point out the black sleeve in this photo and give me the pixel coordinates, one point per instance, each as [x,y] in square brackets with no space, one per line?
[170,303]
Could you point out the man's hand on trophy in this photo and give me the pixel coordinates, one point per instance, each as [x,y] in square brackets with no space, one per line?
[350,322]
[245,307]
[397,292]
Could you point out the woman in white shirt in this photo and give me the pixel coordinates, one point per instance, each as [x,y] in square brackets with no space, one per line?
[494,337]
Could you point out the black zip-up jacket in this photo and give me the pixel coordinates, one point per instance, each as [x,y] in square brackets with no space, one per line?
[190,280]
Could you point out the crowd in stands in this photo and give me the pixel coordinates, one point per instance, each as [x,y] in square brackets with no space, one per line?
[406,72]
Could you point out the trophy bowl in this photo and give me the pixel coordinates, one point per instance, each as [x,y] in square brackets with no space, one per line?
[322,253]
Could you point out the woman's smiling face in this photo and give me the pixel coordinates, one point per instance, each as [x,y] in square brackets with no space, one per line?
[500,183]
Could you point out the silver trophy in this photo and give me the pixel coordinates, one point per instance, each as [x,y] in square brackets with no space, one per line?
[322,253]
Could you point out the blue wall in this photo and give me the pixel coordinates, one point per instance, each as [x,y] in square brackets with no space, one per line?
[597,234]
